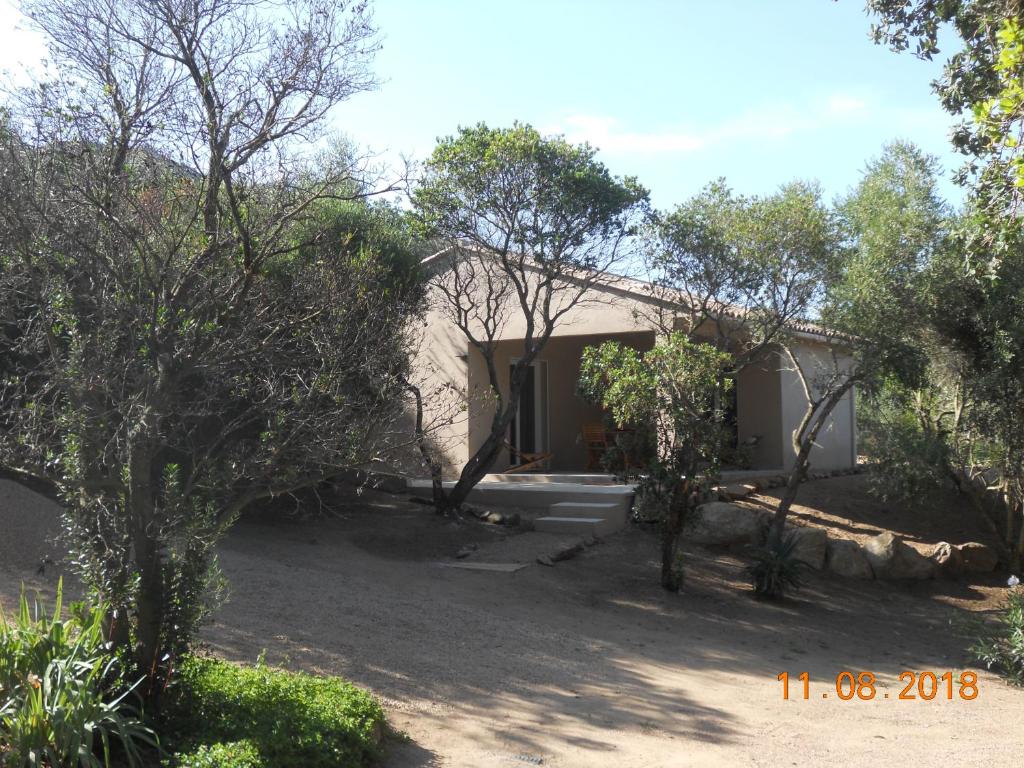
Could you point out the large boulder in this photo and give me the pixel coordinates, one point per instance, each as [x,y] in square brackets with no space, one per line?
[949,562]
[845,558]
[891,558]
[723,523]
[810,545]
[978,557]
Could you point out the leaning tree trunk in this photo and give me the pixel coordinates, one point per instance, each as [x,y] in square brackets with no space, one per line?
[804,440]
[480,463]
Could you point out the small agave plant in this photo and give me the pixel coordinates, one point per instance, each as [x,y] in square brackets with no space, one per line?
[775,571]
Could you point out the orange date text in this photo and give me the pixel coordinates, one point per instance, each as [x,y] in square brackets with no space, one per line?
[863,686]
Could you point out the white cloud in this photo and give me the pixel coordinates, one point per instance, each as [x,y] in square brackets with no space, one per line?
[605,133]
[840,104]
[760,123]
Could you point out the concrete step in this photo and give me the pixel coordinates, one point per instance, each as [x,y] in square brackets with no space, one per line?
[549,477]
[593,526]
[609,511]
[538,496]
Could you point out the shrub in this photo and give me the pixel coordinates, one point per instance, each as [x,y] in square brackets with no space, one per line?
[774,570]
[62,699]
[909,462]
[1001,646]
[234,754]
[292,720]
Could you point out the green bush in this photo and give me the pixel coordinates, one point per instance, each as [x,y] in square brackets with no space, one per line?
[775,571]
[908,462]
[233,754]
[1001,646]
[291,719]
[62,699]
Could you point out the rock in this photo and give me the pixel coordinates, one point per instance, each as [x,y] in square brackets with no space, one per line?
[845,558]
[948,560]
[545,560]
[736,491]
[978,557]
[719,522]
[892,558]
[810,545]
[466,551]
[568,551]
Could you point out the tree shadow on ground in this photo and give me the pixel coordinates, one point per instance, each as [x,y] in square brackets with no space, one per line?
[568,658]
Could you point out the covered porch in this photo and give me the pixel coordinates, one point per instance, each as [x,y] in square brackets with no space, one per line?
[553,421]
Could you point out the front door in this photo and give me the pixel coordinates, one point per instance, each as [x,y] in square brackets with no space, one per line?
[529,429]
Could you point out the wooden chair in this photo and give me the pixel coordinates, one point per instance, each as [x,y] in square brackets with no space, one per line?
[527,459]
[596,440]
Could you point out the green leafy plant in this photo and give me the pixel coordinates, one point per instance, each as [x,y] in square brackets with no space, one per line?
[63,701]
[775,570]
[667,394]
[290,719]
[232,754]
[1000,646]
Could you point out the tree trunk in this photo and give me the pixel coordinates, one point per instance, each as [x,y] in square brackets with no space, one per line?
[480,462]
[436,483]
[149,613]
[1017,549]
[980,501]
[796,477]
[672,526]
[798,473]
[150,598]
[1010,511]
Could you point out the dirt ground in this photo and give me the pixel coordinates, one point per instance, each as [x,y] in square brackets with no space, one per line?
[590,663]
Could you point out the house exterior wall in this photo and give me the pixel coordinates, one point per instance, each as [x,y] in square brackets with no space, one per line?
[759,411]
[453,377]
[441,370]
[836,446]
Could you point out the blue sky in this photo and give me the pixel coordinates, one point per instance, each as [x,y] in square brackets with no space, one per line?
[675,93]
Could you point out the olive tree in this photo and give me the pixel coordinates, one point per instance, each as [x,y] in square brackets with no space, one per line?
[670,391]
[746,274]
[527,227]
[738,270]
[185,327]
[871,312]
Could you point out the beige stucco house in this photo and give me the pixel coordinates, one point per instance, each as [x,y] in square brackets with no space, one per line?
[769,397]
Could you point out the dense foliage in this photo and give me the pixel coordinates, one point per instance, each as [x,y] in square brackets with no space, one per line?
[976,293]
[981,83]
[741,268]
[195,314]
[222,715]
